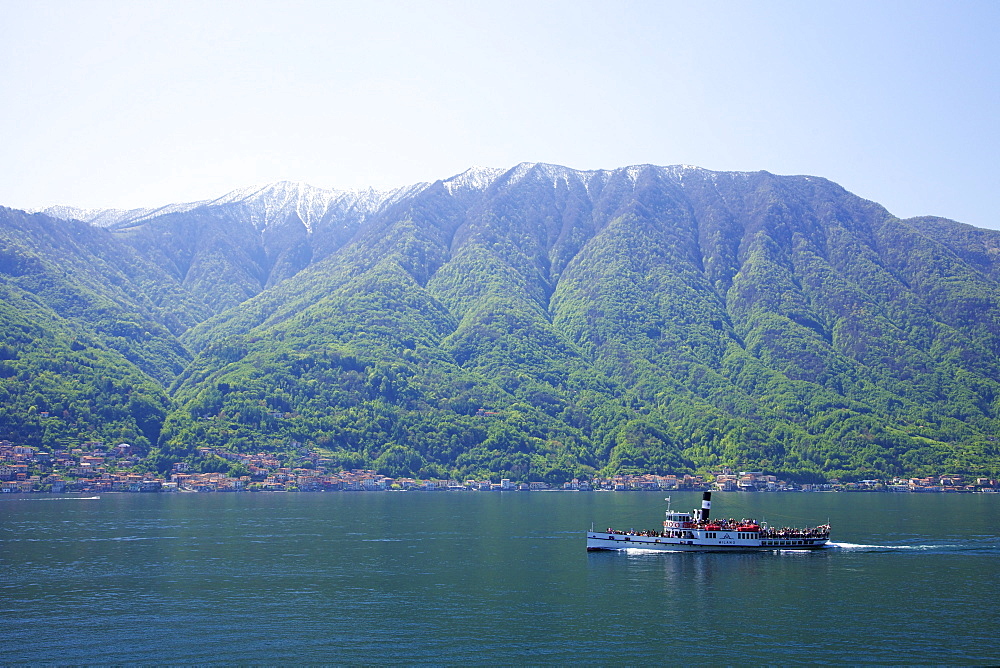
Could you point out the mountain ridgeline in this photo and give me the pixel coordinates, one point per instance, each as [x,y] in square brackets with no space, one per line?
[532,323]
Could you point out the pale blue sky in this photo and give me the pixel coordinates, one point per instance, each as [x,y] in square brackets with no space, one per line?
[109,103]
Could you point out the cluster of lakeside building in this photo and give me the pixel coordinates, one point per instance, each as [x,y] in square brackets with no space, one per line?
[94,468]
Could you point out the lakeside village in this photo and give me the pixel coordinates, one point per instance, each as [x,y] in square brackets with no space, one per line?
[94,468]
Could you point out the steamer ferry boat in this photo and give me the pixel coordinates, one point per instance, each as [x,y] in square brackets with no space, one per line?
[696,532]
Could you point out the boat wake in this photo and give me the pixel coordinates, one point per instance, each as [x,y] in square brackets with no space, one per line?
[857,547]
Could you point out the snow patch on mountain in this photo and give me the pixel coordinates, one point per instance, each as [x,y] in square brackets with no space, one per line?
[680,172]
[376,200]
[541,171]
[632,172]
[115,218]
[475,178]
[480,178]
[266,206]
[269,205]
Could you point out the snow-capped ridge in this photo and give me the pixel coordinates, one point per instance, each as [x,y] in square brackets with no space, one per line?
[547,171]
[474,178]
[480,178]
[270,204]
[115,218]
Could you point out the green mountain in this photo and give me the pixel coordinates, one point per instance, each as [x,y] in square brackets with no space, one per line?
[537,322]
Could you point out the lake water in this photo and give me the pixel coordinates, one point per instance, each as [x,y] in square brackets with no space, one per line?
[447,578]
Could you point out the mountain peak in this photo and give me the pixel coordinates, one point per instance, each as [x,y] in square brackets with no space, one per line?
[115,217]
[474,178]
[284,191]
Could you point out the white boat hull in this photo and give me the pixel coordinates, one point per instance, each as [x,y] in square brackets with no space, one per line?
[597,540]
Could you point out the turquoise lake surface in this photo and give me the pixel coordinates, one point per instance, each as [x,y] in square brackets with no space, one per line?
[490,578]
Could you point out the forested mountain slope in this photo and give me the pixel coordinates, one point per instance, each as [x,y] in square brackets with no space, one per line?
[88,336]
[543,322]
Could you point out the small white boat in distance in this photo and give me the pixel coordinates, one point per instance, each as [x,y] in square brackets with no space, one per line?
[697,532]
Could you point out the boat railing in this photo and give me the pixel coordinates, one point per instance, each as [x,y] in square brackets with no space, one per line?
[764,532]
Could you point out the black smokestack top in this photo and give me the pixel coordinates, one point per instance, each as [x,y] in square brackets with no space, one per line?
[706,505]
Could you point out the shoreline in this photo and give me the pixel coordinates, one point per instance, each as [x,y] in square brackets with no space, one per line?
[96,494]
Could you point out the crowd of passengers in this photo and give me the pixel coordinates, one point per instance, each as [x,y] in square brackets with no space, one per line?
[731,524]
[786,532]
[632,532]
[770,532]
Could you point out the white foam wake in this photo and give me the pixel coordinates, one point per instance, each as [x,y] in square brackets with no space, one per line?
[858,546]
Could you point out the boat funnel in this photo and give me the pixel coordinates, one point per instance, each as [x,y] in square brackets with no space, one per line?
[706,506]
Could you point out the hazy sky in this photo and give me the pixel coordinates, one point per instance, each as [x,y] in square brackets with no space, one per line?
[149,102]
